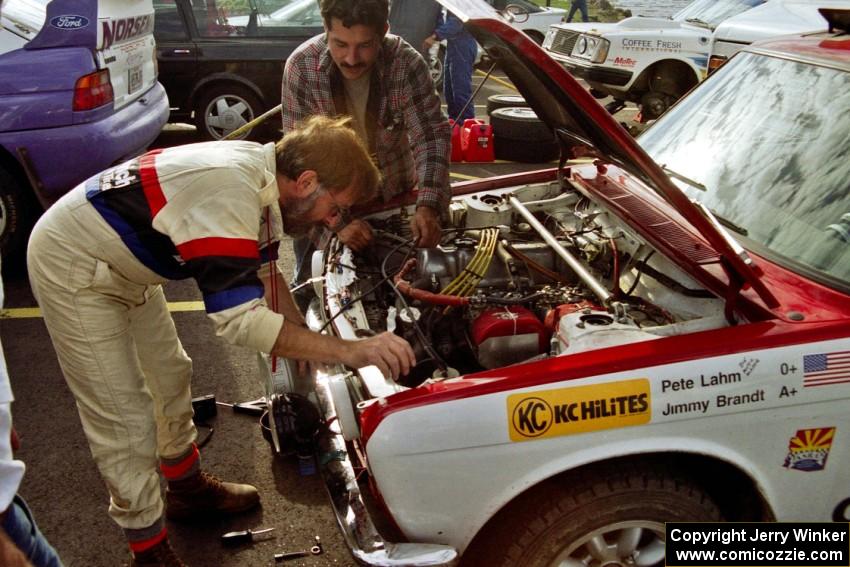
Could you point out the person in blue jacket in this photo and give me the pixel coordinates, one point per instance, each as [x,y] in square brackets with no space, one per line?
[461,49]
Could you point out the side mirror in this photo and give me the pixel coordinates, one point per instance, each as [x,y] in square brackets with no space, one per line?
[516,13]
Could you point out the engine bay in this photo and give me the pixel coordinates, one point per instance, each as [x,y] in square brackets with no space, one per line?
[521,274]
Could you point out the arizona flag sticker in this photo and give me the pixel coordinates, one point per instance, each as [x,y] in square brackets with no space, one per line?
[809,448]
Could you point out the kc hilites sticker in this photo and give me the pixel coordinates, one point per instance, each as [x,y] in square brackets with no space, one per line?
[809,448]
[565,411]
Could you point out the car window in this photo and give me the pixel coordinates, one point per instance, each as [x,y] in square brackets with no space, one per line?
[710,13]
[24,17]
[211,18]
[767,139]
[168,24]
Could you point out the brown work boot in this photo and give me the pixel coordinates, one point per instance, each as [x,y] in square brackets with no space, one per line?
[203,495]
[160,555]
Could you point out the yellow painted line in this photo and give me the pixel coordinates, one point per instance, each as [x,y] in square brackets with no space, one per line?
[462,176]
[505,84]
[35,312]
[21,313]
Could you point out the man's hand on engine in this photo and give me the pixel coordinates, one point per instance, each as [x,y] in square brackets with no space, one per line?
[390,353]
[356,235]
[425,225]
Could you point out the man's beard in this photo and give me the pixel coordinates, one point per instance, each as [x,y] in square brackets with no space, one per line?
[294,223]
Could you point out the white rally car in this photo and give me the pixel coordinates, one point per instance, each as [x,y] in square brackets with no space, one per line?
[649,61]
[645,333]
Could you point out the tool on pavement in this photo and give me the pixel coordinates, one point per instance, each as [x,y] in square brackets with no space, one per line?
[244,536]
[315,550]
[254,407]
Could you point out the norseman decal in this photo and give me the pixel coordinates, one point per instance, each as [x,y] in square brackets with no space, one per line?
[551,413]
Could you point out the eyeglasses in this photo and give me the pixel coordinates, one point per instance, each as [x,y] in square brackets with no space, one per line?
[342,214]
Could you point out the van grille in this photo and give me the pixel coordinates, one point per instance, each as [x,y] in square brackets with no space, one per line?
[564,41]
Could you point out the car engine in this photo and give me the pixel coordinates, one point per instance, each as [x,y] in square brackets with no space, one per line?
[521,274]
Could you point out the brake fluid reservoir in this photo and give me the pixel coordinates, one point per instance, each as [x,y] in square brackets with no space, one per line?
[588,330]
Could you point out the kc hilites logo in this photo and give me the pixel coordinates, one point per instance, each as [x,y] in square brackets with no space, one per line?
[550,413]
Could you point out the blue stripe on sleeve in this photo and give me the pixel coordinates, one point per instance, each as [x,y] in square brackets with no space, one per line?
[221,300]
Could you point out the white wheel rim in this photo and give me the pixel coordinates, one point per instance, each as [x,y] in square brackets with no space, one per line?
[225,114]
[623,544]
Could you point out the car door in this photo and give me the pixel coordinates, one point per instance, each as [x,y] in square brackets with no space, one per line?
[177,55]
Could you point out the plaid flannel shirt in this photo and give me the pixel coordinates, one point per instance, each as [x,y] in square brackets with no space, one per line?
[409,135]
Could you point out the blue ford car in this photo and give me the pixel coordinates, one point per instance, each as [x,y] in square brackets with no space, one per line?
[78,93]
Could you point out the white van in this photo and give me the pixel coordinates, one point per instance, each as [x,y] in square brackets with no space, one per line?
[775,18]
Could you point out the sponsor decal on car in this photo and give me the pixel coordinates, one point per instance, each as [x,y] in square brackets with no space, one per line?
[565,411]
[650,44]
[809,449]
[625,62]
[125,29]
[69,22]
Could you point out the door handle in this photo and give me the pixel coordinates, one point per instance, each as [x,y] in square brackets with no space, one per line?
[180,52]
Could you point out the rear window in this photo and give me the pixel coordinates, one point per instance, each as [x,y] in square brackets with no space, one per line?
[24,17]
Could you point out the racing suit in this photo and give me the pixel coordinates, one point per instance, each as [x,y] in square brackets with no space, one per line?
[96,261]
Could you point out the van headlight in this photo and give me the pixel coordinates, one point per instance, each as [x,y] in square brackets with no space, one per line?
[592,48]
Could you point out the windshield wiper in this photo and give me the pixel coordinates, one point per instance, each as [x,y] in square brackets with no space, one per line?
[688,180]
[698,22]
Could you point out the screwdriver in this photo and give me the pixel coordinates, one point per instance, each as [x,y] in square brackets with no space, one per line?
[244,536]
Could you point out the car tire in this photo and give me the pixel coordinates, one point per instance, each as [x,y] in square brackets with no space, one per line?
[654,104]
[435,65]
[519,123]
[224,108]
[609,515]
[504,101]
[18,211]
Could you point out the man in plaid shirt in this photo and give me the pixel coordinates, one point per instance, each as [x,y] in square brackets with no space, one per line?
[356,69]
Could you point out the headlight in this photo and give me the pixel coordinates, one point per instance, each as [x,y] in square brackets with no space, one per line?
[591,48]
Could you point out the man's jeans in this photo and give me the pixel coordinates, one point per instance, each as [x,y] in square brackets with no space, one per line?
[578,5]
[21,529]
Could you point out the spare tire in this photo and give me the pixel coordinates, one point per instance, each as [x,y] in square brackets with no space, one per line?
[519,123]
[504,101]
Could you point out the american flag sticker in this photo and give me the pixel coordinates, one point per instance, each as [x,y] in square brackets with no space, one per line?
[826,369]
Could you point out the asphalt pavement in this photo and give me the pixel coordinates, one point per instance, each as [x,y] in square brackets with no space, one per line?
[63,487]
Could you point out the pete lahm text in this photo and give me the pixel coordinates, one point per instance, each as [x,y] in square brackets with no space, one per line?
[744,534]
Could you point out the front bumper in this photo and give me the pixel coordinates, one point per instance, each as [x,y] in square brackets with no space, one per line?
[597,74]
[365,543]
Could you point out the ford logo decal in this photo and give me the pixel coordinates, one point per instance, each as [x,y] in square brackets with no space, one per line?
[69,22]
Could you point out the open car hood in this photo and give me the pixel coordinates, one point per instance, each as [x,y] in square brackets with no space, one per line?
[583,127]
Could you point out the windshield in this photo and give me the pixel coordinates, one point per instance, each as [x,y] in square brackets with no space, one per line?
[768,140]
[24,17]
[711,12]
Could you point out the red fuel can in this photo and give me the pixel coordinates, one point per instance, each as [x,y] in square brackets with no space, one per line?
[477,140]
[457,148]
